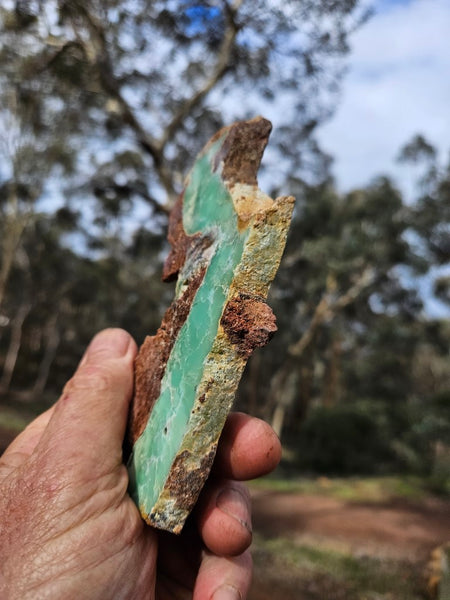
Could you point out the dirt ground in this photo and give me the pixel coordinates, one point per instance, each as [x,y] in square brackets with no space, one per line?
[399,530]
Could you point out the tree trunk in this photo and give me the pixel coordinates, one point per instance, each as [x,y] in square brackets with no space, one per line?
[253,394]
[331,389]
[14,345]
[51,346]
[14,224]
[9,248]
[283,400]
[278,419]
[283,384]
[305,384]
[281,389]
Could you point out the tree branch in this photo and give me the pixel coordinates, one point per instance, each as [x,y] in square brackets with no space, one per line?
[100,57]
[216,75]
[97,52]
[326,309]
[47,62]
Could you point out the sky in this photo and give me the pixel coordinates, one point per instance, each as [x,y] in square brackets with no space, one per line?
[397,85]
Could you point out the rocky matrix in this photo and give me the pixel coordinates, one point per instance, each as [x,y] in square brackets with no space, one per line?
[227,238]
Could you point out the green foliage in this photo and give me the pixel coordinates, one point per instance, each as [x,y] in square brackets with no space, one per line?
[373,489]
[374,437]
[343,440]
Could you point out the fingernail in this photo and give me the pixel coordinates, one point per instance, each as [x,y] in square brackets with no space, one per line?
[110,343]
[227,592]
[233,503]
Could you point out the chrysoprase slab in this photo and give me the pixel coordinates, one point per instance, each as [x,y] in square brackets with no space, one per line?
[227,240]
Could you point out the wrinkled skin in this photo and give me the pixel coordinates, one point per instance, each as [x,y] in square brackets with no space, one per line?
[68,528]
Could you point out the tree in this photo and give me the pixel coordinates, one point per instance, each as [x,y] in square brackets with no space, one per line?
[22,180]
[141,85]
[105,104]
[341,284]
[430,216]
[68,297]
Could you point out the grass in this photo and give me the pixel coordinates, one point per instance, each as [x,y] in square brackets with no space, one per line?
[325,569]
[327,574]
[350,489]
[12,420]
[18,410]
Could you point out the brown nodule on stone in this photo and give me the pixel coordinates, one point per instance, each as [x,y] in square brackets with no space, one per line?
[178,240]
[185,483]
[248,322]
[242,151]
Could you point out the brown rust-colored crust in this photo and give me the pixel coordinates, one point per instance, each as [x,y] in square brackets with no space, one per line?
[242,150]
[153,355]
[248,322]
[185,484]
[178,240]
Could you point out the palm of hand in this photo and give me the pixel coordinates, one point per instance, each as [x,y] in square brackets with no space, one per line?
[68,526]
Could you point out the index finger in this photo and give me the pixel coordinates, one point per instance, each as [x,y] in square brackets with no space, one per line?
[248,448]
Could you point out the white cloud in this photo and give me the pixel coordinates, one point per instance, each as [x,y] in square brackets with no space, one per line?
[398,85]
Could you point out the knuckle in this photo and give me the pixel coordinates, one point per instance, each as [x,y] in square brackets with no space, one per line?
[91,377]
[243,491]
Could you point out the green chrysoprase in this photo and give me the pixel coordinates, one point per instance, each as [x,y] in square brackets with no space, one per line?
[227,240]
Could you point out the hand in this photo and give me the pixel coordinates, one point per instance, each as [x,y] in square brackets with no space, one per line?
[68,528]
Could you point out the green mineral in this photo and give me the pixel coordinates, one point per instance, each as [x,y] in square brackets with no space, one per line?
[227,239]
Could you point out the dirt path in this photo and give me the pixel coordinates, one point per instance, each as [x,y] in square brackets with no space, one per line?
[400,534]
[398,529]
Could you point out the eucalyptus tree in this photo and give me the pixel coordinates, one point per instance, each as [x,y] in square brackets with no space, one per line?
[340,277]
[66,297]
[136,87]
[104,103]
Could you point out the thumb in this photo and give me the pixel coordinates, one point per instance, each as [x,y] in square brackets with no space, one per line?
[88,423]
[24,444]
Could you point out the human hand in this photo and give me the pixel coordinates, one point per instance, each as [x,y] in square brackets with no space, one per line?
[69,529]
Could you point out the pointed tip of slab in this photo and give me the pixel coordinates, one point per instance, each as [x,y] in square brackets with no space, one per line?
[242,150]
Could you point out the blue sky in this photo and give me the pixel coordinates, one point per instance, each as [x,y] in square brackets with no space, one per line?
[397,85]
